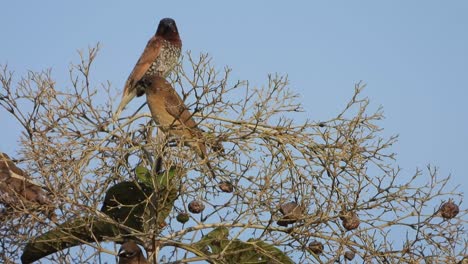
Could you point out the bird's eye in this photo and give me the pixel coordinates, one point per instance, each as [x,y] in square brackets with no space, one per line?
[127,254]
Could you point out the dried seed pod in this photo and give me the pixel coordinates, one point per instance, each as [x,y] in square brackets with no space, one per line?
[316,247]
[350,220]
[196,207]
[292,212]
[349,255]
[183,217]
[449,210]
[226,187]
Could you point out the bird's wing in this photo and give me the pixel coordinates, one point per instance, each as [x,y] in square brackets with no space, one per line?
[18,181]
[9,169]
[176,108]
[149,55]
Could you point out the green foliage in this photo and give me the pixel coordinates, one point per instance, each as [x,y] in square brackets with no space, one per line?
[69,234]
[126,203]
[144,175]
[217,245]
[129,206]
[161,180]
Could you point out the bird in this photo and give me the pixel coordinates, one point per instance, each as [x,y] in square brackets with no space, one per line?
[130,253]
[17,190]
[174,118]
[159,57]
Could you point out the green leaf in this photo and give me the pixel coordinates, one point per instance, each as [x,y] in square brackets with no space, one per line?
[237,251]
[144,175]
[162,179]
[166,178]
[69,234]
[213,240]
[269,252]
[167,191]
[131,205]
[126,203]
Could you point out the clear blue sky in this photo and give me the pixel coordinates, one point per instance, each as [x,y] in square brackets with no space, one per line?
[413,55]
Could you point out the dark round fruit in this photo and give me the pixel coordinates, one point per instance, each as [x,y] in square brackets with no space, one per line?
[349,255]
[316,247]
[196,207]
[350,220]
[183,217]
[292,212]
[449,210]
[226,187]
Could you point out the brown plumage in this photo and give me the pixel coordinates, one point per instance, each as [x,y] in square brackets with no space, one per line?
[159,58]
[173,117]
[130,253]
[18,191]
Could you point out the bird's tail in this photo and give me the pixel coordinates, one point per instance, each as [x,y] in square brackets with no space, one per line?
[126,98]
[201,149]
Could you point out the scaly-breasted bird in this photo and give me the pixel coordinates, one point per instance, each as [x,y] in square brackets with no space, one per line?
[130,253]
[17,190]
[159,58]
[173,117]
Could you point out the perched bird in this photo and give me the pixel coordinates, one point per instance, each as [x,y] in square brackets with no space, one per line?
[159,58]
[17,190]
[173,117]
[130,253]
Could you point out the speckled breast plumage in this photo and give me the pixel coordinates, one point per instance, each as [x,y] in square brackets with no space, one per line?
[166,60]
[163,65]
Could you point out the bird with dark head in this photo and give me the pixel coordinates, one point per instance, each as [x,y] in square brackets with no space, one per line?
[173,117]
[17,190]
[130,253]
[159,58]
